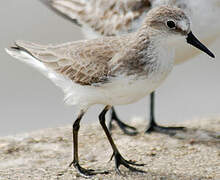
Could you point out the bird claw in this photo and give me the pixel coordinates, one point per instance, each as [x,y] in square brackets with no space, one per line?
[86,172]
[164,130]
[119,160]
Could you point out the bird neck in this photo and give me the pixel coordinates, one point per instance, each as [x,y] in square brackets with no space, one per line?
[151,35]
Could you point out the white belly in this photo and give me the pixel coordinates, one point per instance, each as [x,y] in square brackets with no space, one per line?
[120,90]
[126,92]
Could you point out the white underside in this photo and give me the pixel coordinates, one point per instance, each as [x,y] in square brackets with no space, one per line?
[118,92]
[122,89]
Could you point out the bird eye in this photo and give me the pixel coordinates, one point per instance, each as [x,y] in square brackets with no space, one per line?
[171,24]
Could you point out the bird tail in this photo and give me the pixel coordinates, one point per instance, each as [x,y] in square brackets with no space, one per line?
[25,52]
[25,56]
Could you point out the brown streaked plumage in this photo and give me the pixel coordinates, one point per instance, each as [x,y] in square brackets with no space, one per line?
[84,62]
[94,61]
[106,17]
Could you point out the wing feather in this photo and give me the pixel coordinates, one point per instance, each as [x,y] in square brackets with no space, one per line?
[103,16]
[84,62]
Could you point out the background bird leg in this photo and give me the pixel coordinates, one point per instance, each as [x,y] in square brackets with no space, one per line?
[129,130]
[153,126]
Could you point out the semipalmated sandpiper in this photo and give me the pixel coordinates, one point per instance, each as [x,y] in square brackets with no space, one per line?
[111,70]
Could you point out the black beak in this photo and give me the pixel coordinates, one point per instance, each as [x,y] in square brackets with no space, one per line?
[191,39]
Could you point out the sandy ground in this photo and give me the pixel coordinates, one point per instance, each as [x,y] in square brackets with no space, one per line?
[45,154]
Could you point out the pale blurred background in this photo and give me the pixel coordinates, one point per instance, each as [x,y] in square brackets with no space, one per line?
[29,101]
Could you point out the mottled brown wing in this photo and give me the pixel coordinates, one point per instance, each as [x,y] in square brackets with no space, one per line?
[84,62]
[106,17]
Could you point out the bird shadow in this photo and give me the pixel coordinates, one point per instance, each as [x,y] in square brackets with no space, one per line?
[199,136]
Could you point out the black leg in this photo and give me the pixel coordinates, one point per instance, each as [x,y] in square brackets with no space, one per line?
[119,160]
[75,162]
[129,130]
[153,126]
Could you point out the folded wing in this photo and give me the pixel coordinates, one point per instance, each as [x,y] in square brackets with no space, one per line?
[84,62]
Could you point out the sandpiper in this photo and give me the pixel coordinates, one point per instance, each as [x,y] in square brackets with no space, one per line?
[115,17]
[111,70]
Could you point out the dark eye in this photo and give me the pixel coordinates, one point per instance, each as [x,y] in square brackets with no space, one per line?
[171,24]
